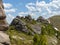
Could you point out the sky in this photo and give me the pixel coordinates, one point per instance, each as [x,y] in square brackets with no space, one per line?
[35,8]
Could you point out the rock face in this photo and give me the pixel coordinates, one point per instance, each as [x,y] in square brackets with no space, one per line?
[24,25]
[42,20]
[3,24]
[19,25]
[4,38]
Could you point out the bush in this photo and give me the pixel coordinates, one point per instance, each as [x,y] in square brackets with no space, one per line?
[47,31]
[36,39]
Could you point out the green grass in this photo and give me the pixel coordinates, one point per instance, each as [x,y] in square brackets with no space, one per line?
[19,38]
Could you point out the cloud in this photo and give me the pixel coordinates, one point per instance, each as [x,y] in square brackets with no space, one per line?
[31,8]
[31,3]
[44,9]
[7,5]
[10,10]
[23,14]
[9,18]
[36,9]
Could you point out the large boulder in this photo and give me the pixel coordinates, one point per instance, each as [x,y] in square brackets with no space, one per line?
[4,39]
[3,24]
[42,20]
[26,26]
[19,25]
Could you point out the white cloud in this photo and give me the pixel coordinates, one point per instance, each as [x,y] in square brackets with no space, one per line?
[23,14]
[36,9]
[10,18]
[7,5]
[31,8]
[43,8]
[31,4]
[10,10]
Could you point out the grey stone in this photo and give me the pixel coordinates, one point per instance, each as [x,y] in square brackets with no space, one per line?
[3,24]
[4,38]
[19,25]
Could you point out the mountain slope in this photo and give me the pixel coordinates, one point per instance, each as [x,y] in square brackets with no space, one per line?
[27,31]
[55,20]
[27,25]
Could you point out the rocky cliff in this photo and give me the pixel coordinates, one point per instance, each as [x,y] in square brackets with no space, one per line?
[27,25]
[4,38]
[3,24]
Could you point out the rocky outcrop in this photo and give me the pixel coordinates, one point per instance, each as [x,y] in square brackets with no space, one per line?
[3,24]
[39,26]
[42,20]
[19,25]
[25,25]
[4,39]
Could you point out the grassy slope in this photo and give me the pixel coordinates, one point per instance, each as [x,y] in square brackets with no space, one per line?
[55,20]
[19,38]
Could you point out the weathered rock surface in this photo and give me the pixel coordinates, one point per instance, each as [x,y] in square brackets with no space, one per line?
[19,25]
[3,24]
[36,28]
[4,38]
[25,26]
[42,20]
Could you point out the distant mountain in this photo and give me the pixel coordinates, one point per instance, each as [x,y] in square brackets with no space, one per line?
[55,20]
